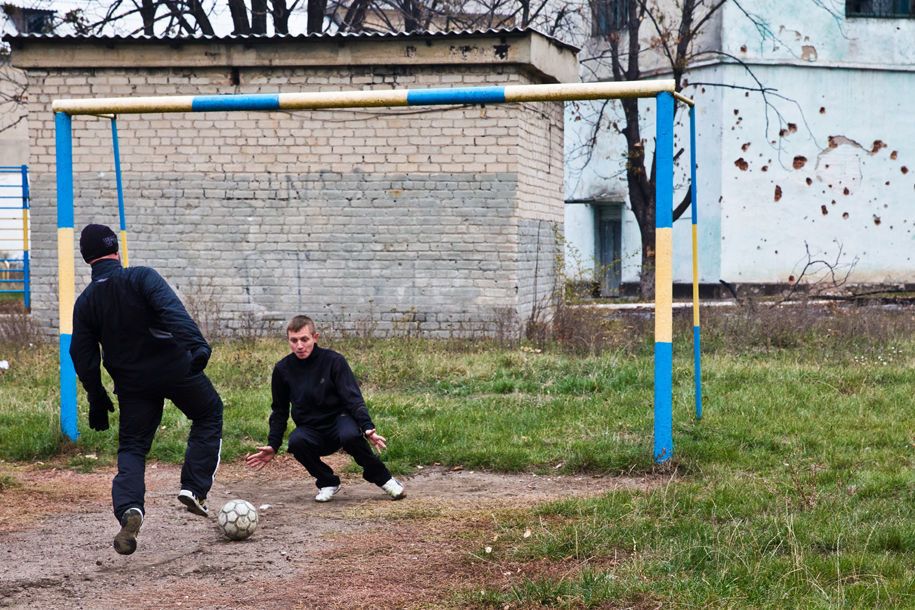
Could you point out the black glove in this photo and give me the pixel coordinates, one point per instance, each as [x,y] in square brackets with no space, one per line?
[99,406]
[199,358]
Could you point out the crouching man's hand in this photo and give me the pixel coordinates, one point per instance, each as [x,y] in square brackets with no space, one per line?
[261,458]
[376,439]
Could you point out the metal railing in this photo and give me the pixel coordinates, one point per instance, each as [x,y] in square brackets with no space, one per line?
[15,275]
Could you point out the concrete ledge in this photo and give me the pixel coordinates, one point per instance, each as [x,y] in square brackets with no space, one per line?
[554,61]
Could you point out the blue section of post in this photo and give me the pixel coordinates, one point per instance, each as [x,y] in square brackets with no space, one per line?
[694,205]
[64,144]
[475,95]
[664,183]
[26,219]
[63,141]
[663,397]
[663,355]
[68,424]
[253,101]
[694,208]
[117,173]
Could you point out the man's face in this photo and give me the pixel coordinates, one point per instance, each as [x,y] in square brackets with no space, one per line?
[302,342]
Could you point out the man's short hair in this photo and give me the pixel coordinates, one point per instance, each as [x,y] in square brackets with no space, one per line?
[298,323]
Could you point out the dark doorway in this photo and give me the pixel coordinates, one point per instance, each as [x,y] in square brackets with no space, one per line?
[608,246]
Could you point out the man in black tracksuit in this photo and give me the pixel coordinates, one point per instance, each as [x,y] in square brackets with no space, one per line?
[328,411]
[153,350]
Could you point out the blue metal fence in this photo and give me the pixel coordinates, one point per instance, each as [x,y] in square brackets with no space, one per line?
[15,276]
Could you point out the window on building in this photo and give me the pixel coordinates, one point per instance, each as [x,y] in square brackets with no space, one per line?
[880,8]
[30,20]
[608,16]
[39,22]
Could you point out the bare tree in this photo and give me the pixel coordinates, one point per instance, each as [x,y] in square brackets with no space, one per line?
[665,35]
[13,88]
[552,17]
[672,37]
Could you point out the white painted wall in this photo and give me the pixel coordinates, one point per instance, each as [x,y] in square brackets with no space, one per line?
[838,116]
[843,176]
[10,215]
[579,257]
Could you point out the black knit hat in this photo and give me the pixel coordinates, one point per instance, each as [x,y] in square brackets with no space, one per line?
[96,241]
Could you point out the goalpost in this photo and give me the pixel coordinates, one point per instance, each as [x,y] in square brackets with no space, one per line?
[662,90]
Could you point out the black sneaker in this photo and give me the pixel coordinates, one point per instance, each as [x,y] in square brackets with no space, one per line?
[194,504]
[125,542]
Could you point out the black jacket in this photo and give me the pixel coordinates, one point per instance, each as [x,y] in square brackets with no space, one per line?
[320,388]
[145,332]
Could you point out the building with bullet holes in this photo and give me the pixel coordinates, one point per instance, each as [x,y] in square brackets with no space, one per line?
[819,168]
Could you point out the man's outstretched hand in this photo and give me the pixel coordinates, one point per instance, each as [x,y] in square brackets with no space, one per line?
[261,458]
[376,439]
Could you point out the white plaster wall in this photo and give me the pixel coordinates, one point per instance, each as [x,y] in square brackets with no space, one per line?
[579,243]
[816,32]
[603,177]
[837,114]
[10,215]
[595,169]
[838,177]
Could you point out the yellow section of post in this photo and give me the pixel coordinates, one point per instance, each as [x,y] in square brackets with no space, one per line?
[684,99]
[66,281]
[25,229]
[124,257]
[695,275]
[663,285]
[586,91]
[342,99]
[125,105]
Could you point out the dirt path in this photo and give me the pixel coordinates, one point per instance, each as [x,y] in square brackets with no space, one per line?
[361,550]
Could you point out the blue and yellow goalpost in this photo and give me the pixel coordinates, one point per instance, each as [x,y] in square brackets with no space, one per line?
[662,90]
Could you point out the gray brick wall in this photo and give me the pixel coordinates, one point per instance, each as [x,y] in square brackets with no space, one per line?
[384,221]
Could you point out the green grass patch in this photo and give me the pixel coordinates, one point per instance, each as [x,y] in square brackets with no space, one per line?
[795,490]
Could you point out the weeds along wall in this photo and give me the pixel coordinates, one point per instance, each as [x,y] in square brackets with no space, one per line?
[436,221]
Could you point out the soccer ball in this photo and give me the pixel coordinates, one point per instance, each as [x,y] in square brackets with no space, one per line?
[238,519]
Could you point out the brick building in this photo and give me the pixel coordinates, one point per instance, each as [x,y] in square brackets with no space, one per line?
[439,221]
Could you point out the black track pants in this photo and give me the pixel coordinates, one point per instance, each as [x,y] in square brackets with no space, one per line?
[308,445]
[140,417]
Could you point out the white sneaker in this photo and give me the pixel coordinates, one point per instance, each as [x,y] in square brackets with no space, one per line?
[326,494]
[394,489]
[194,504]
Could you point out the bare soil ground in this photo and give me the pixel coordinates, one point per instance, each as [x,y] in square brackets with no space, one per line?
[361,550]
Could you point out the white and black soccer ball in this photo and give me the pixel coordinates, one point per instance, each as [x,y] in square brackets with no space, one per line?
[238,519]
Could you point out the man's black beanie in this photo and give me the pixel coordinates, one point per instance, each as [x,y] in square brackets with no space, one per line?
[96,241]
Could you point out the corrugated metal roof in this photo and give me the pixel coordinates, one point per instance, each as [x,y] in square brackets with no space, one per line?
[272,37]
